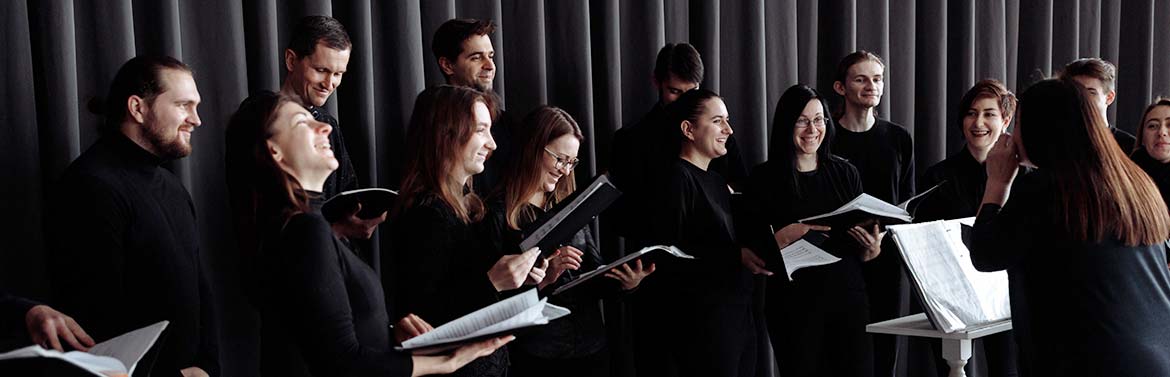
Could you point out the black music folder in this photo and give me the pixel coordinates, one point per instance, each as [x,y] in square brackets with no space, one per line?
[569,216]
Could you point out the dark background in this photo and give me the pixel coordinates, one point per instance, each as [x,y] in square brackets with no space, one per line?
[592,58]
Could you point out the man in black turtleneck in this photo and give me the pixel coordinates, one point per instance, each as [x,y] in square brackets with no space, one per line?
[126,251]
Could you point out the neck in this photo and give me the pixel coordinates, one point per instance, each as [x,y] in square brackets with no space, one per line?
[979,154]
[288,90]
[694,157]
[459,180]
[133,132]
[312,181]
[806,162]
[858,119]
[536,199]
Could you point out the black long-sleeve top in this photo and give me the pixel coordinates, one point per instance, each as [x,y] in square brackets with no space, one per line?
[1158,171]
[439,271]
[1086,309]
[12,312]
[574,336]
[131,256]
[345,177]
[1124,139]
[323,312]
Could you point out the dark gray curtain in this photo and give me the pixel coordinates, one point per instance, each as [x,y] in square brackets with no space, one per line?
[592,58]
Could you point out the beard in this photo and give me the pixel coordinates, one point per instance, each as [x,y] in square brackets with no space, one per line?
[167,142]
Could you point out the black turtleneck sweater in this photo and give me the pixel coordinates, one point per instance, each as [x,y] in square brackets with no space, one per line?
[1157,170]
[127,254]
[324,312]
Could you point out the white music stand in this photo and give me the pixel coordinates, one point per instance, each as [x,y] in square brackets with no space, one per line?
[956,346]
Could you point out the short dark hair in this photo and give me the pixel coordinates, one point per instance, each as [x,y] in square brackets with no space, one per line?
[987,88]
[311,30]
[140,76]
[852,59]
[448,40]
[1092,67]
[681,60]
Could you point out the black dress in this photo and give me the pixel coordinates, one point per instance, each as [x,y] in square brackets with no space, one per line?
[1158,171]
[884,156]
[573,345]
[323,311]
[817,320]
[1079,309]
[439,272]
[131,255]
[694,317]
[963,181]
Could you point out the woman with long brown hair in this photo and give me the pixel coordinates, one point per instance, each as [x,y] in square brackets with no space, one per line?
[322,306]
[1083,239]
[441,267]
[1153,153]
[539,175]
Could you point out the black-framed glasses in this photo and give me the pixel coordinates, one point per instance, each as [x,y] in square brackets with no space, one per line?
[563,161]
[805,122]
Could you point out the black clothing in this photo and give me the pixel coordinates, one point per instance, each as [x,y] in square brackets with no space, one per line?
[958,197]
[502,130]
[694,317]
[323,310]
[1125,140]
[817,320]
[642,155]
[1157,170]
[345,177]
[440,272]
[579,337]
[131,256]
[12,312]
[1078,308]
[884,156]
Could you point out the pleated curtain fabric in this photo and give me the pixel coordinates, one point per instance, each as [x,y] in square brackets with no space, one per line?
[592,58]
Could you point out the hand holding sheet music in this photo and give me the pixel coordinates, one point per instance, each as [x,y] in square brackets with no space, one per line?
[649,252]
[860,210]
[115,357]
[516,312]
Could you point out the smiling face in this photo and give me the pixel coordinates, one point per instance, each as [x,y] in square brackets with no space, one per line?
[168,120]
[315,77]
[709,133]
[810,128]
[300,145]
[475,67]
[480,145]
[564,148]
[1156,133]
[983,123]
[863,86]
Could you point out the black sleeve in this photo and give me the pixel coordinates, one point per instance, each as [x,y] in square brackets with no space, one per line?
[431,278]
[95,219]
[906,187]
[208,357]
[12,312]
[318,304]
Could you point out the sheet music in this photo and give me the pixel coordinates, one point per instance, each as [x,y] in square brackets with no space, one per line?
[957,295]
[130,347]
[906,204]
[521,310]
[868,204]
[620,261]
[801,254]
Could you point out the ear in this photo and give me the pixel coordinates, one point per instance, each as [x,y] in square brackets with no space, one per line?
[290,59]
[446,66]
[274,150]
[687,129]
[136,107]
[839,87]
[1112,95]
[1007,120]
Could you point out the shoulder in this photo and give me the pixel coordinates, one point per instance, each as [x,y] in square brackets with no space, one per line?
[840,168]
[936,172]
[894,131]
[307,224]
[428,208]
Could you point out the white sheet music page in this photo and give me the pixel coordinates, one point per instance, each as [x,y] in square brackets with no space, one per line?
[801,254]
[521,310]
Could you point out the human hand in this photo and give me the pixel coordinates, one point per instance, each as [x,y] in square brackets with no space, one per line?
[752,262]
[792,232]
[870,239]
[565,258]
[630,274]
[194,372]
[45,325]
[465,354]
[510,271]
[410,326]
[352,227]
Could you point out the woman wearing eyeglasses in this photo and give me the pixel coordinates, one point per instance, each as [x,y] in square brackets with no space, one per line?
[816,321]
[539,175]
[693,317]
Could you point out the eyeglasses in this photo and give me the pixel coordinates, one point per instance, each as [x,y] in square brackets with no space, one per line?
[805,122]
[563,161]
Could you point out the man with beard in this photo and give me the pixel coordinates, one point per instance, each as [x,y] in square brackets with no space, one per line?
[126,254]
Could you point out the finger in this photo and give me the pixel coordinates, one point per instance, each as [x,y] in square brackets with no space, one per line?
[821,228]
[355,211]
[63,331]
[614,276]
[638,265]
[650,270]
[574,251]
[50,332]
[423,324]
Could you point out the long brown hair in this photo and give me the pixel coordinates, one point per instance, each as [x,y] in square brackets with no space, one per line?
[262,194]
[1100,193]
[522,173]
[441,123]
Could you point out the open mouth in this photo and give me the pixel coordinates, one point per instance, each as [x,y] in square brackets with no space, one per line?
[980,133]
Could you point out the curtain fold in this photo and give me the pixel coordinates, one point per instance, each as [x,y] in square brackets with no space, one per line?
[592,58]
